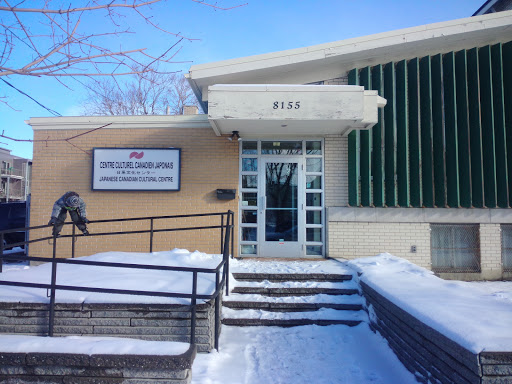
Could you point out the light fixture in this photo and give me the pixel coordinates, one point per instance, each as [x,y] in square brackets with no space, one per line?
[234,135]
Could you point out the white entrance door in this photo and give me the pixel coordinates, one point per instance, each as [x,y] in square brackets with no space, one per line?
[281,211]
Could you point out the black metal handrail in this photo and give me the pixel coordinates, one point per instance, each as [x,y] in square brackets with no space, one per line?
[226,242]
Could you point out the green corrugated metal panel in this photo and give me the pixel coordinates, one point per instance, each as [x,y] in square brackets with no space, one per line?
[450,126]
[427,175]
[438,132]
[390,135]
[475,129]
[499,127]
[402,135]
[487,115]
[378,141]
[445,135]
[464,170]
[413,92]
[507,88]
[366,148]
[353,155]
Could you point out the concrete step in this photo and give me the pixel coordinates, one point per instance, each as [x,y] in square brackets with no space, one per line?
[293,299]
[280,277]
[264,291]
[289,307]
[241,322]
[321,316]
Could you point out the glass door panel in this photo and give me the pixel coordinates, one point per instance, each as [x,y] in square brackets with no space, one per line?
[282,208]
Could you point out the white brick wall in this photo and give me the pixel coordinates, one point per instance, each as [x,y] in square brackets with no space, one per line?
[336,171]
[350,240]
[490,248]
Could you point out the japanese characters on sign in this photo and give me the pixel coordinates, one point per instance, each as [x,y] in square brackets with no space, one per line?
[136,169]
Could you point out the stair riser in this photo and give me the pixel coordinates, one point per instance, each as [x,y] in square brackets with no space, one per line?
[286,323]
[293,291]
[275,307]
[279,278]
[274,280]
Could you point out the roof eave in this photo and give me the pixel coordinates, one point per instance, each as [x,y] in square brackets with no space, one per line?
[240,69]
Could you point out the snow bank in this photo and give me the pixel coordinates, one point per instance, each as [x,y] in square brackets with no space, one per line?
[89,345]
[472,316]
[116,278]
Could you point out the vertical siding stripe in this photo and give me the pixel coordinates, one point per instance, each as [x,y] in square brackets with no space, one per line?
[452,152]
[414,132]
[487,110]
[475,129]
[390,134]
[402,134]
[463,129]
[507,93]
[427,176]
[366,148]
[378,141]
[499,127]
[438,132]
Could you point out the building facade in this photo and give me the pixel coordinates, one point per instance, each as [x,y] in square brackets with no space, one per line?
[398,142]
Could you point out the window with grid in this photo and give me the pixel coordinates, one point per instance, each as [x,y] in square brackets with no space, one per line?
[455,247]
[506,247]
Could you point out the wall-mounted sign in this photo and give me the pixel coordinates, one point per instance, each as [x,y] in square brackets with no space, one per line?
[136,169]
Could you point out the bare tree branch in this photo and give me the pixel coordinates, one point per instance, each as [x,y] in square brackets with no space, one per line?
[71,10]
[67,140]
[49,39]
[217,7]
[146,93]
[58,42]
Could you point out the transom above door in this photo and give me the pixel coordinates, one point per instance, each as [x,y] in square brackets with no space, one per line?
[281,199]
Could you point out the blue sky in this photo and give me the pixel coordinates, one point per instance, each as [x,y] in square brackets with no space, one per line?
[261,26]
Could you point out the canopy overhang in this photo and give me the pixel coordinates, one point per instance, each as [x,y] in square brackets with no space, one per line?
[298,110]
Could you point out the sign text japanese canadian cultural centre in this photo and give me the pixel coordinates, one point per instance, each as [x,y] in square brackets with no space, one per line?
[136,169]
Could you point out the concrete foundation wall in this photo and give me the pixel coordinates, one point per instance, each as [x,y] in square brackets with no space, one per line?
[158,322]
[431,356]
[74,368]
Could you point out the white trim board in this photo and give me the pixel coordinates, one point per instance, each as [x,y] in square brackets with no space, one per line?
[116,122]
[420,215]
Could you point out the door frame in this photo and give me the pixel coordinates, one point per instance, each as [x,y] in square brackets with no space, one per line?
[251,161]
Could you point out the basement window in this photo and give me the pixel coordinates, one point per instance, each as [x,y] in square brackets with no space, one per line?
[506,247]
[455,248]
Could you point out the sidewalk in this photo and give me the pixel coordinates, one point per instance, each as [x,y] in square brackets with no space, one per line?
[299,355]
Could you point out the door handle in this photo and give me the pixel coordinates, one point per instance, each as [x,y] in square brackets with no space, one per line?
[263,203]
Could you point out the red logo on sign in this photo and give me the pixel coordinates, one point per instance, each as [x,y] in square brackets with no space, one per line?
[136,155]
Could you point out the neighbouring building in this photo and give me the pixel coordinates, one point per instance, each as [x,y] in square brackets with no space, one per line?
[397,142]
[15,173]
[491,6]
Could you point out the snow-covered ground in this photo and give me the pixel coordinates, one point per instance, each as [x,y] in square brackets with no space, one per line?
[477,315]
[115,278]
[300,355]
